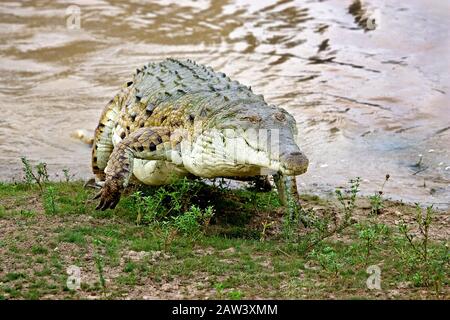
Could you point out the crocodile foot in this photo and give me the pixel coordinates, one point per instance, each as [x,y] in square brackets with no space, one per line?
[109,195]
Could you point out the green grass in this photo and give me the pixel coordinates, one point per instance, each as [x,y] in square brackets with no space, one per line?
[193,240]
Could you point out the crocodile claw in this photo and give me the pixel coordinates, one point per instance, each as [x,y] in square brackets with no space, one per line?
[109,195]
[91,183]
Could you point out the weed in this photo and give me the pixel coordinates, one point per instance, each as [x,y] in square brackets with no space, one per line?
[421,246]
[129,266]
[190,222]
[27,213]
[156,204]
[50,200]
[320,228]
[2,212]
[376,201]
[220,287]
[42,172]
[171,207]
[187,223]
[168,236]
[40,177]
[327,258]
[291,222]
[139,205]
[348,202]
[66,174]
[28,170]
[370,235]
[428,265]
[12,276]
[73,236]
[39,250]
[266,225]
[99,262]
[99,265]
[235,295]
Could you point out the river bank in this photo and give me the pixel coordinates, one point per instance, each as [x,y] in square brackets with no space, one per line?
[235,244]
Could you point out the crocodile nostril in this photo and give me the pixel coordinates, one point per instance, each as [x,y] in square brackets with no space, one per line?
[279,116]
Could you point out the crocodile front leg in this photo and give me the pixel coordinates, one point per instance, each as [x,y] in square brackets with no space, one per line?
[145,143]
[289,197]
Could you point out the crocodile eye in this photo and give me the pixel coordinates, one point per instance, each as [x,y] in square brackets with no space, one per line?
[253,118]
[279,116]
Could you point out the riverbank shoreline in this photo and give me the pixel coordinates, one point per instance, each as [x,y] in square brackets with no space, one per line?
[244,248]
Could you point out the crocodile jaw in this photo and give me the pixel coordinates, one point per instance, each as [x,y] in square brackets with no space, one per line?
[215,153]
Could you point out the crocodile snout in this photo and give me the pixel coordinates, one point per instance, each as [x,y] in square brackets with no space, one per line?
[293,163]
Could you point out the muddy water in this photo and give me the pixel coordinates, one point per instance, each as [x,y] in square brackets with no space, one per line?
[369,95]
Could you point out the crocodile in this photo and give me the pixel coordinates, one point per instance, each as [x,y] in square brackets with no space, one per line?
[178,118]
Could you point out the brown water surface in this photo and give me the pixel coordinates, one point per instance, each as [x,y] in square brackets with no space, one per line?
[369,97]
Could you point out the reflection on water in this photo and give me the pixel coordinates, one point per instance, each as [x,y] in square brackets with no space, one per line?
[368,100]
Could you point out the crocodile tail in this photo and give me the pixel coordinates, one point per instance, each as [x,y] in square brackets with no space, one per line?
[83,136]
[102,146]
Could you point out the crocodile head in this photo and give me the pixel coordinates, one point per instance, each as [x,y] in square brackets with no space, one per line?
[246,140]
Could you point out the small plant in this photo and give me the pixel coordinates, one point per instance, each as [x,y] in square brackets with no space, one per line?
[129,266]
[208,213]
[99,262]
[40,177]
[180,195]
[266,225]
[187,223]
[28,170]
[139,205]
[49,200]
[42,172]
[172,206]
[376,201]
[349,202]
[321,228]
[27,213]
[292,221]
[2,211]
[327,258]
[191,221]
[168,235]
[66,174]
[421,246]
[220,289]
[235,295]
[429,265]
[369,236]
[165,201]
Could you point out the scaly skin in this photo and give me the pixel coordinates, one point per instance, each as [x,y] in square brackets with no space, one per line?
[142,143]
[177,118]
